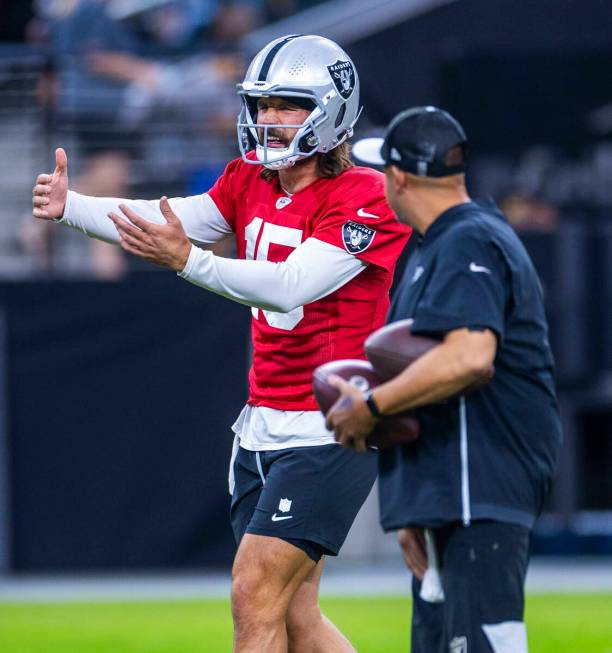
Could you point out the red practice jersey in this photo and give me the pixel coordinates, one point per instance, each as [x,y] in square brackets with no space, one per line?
[350,212]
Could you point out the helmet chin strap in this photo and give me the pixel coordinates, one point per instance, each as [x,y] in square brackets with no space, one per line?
[280,165]
[275,165]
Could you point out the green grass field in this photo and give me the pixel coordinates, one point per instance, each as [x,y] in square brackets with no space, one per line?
[578,623]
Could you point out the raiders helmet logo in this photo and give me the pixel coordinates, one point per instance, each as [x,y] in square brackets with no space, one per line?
[343,74]
[356,237]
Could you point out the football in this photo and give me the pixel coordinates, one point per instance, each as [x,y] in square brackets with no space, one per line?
[392,430]
[392,348]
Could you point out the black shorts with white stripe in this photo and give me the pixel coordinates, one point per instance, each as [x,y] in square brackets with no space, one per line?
[307,496]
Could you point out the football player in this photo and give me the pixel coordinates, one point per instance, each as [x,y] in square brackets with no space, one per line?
[317,246]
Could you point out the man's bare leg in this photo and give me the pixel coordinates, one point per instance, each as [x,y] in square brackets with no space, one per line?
[308,630]
[266,574]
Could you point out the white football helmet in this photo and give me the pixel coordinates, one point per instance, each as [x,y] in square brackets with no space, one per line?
[315,72]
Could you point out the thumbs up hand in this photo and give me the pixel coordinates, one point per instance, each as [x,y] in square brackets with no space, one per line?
[50,192]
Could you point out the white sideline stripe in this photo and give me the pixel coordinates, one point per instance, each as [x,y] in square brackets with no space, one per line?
[386,577]
[259,467]
[465,471]
[507,637]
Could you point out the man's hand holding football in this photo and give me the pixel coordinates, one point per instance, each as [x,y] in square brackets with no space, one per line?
[50,192]
[350,418]
[163,244]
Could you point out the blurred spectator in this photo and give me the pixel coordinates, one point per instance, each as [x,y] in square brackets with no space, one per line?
[88,104]
[169,26]
[145,80]
[234,21]
[279,9]
[527,213]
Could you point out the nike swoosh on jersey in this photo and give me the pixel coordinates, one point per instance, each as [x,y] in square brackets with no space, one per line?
[275,517]
[364,214]
[479,268]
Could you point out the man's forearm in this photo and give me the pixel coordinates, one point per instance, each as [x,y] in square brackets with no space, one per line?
[313,270]
[198,214]
[464,358]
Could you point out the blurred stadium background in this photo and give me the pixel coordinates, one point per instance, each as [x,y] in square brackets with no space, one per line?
[118,382]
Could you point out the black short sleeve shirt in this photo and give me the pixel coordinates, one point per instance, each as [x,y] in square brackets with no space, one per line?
[489,454]
[465,289]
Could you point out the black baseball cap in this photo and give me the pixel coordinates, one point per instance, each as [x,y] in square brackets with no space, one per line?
[425,141]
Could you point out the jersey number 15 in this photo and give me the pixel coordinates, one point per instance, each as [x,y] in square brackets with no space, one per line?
[278,235]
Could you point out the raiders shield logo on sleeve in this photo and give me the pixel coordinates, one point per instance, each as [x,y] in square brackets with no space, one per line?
[356,237]
[343,74]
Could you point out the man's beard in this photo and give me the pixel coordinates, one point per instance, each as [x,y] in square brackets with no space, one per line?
[282,141]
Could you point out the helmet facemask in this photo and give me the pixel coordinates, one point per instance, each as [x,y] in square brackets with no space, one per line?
[253,136]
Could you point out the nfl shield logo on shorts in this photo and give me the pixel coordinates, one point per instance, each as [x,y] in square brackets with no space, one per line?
[458,645]
[343,75]
[284,505]
[356,237]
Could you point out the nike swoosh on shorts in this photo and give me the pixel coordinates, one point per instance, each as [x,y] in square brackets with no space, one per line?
[276,518]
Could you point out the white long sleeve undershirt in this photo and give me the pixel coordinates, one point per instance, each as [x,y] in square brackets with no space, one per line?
[199,215]
[313,270]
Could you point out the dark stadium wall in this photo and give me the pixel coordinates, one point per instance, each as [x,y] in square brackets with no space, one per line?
[121,401]
[441,56]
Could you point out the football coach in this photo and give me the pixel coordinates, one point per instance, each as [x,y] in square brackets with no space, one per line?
[466,493]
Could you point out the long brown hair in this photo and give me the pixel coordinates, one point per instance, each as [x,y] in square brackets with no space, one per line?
[329,164]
